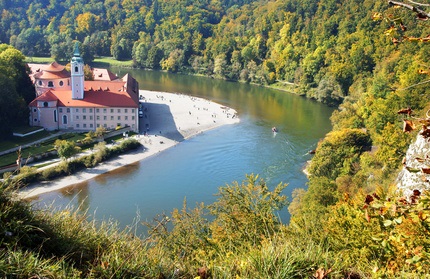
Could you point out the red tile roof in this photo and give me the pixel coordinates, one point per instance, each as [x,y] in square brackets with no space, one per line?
[52,75]
[103,74]
[97,94]
[51,71]
[48,96]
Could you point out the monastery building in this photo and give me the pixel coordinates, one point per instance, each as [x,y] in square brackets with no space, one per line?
[65,101]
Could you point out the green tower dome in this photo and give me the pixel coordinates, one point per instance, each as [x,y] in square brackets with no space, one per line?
[76,55]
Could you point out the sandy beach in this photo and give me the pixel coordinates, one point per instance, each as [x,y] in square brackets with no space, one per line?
[168,119]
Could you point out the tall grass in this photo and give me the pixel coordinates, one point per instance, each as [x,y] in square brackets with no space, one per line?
[190,243]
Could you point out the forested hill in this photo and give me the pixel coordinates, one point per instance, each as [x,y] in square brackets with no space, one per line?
[317,48]
[368,57]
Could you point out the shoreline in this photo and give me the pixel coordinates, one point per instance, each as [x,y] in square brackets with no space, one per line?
[171,119]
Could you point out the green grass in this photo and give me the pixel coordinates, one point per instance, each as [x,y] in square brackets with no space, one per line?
[46,146]
[43,60]
[26,129]
[105,62]
[18,141]
[41,148]
[102,62]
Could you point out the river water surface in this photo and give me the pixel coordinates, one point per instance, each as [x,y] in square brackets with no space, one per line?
[194,169]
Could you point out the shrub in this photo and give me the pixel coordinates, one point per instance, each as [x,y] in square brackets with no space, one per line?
[50,173]
[26,176]
[339,153]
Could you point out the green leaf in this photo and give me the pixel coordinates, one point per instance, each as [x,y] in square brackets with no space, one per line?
[398,220]
[388,223]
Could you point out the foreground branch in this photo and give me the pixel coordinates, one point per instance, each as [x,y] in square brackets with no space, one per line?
[420,13]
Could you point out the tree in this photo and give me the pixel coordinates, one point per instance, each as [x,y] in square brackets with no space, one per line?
[17,90]
[66,149]
[32,42]
[245,213]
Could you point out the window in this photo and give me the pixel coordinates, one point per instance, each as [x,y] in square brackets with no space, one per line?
[91,110]
[35,120]
[91,117]
[40,83]
[77,117]
[119,117]
[50,84]
[132,118]
[61,83]
[45,104]
[98,117]
[64,119]
[55,116]
[105,117]
[91,125]
[105,125]
[84,110]
[60,110]
[68,110]
[126,117]
[85,125]
[84,117]
[98,125]
[126,110]
[104,110]
[132,110]
[97,110]
[119,110]
[77,125]
[77,110]
[76,69]
[34,110]
[111,110]
[111,118]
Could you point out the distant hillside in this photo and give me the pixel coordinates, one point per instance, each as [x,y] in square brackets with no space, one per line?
[321,47]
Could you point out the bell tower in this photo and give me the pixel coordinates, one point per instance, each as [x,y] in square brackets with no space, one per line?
[77,74]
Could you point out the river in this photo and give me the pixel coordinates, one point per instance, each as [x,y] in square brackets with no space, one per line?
[194,169]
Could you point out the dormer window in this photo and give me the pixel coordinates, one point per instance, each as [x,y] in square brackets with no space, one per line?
[45,104]
[50,84]
[40,83]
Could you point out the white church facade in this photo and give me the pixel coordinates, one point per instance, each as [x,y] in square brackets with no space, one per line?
[66,101]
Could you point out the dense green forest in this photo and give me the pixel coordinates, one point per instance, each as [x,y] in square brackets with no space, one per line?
[315,48]
[367,57]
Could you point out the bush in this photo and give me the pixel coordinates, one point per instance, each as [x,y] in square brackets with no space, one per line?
[50,173]
[26,176]
[339,153]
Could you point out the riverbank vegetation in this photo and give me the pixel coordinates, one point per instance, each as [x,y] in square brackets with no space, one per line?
[71,165]
[367,57]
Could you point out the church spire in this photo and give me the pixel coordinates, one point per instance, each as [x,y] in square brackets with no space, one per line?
[76,52]
[77,74]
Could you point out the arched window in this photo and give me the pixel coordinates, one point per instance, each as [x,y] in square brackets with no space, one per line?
[50,84]
[76,69]
[64,119]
